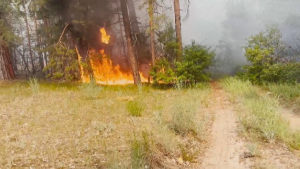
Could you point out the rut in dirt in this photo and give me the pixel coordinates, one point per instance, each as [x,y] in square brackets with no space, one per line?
[226,148]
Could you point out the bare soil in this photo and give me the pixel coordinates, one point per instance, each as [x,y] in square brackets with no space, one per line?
[226,147]
[293,118]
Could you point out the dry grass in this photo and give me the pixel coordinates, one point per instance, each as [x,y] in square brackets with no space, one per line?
[259,115]
[47,125]
[289,94]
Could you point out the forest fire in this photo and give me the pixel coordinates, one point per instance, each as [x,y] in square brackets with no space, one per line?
[104,72]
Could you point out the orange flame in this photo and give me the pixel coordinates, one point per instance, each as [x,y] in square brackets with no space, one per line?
[103,69]
[105,38]
[85,78]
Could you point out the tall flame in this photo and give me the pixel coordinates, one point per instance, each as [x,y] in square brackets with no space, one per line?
[103,69]
[105,38]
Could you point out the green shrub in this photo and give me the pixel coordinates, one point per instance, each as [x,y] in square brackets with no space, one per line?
[267,54]
[135,108]
[162,72]
[284,73]
[63,64]
[196,60]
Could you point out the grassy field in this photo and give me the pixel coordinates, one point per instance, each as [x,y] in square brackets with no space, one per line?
[259,114]
[46,125]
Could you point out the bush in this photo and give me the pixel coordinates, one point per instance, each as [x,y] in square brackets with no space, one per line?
[196,60]
[284,73]
[267,54]
[162,72]
[135,108]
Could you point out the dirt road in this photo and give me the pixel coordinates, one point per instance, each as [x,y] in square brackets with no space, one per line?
[226,148]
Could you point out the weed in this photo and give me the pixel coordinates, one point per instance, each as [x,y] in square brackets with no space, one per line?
[253,149]
[189,153]
[144,153]
[91,90]
[135,108]
[34,85]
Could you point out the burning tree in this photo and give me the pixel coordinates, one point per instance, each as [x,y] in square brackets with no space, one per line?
[89,31]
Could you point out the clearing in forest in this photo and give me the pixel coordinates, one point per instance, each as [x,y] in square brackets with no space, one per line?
[228,124]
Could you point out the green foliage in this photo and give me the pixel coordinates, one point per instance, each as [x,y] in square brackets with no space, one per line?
[162,72]
[196,60]
[284,73]
[63,64]
[168,40]
[266,52]
[135,108]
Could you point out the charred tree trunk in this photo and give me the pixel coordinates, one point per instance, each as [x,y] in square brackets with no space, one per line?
[133,18]
[6,64]
[152,34]
[178,28]
[121,32]
[131,53]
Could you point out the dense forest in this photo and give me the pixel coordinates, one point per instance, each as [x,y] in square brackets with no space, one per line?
[75,40]
[109,42]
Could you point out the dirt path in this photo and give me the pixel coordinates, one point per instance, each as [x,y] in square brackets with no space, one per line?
[226,148]
[292,118]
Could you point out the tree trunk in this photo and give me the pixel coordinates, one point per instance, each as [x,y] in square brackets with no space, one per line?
[178,28]
[121,32]
[152,38]
[132,60]
[6,64]
[133,18]
[38,41]
[29,40]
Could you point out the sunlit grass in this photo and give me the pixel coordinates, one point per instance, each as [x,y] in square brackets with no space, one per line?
[88,126]
[259,114]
